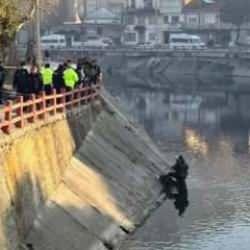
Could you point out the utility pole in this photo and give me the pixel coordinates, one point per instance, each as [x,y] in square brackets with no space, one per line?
[38,34]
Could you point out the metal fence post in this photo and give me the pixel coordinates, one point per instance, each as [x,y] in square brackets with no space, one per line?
[54,101]
[20,124]
[8,117]
[33,108]
[44,105]
[63,100]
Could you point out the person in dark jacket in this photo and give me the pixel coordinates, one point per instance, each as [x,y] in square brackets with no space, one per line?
[35,80]
[2,79]
[58,81]
[21,80]
[87,71]
[80,73]
[95,72]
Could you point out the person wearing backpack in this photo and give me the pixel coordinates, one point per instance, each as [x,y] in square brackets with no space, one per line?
[2,79]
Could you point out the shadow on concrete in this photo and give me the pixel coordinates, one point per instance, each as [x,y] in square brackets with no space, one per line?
[67,220]
[113,168]
[21,209]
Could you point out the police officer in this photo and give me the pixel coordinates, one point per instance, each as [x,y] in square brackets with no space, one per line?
[47,78]
[70,77]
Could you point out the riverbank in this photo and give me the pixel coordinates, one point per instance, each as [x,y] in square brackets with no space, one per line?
[182,65]
[85,178]
[220,62]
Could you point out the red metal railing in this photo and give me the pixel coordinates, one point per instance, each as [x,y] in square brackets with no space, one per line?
[17,114]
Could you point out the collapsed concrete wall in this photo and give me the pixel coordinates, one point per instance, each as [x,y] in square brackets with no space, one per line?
[81,181]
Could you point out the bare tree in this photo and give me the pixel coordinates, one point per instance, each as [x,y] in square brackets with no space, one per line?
[13,15]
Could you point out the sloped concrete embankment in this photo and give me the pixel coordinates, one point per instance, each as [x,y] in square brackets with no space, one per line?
[81,181]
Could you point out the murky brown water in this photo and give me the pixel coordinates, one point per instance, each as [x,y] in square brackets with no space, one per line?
[211,129]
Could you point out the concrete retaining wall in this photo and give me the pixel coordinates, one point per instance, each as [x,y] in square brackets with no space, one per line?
[155,67]
[81,181]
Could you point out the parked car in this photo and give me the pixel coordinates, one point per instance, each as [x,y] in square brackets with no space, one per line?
[147,45]
[97,42]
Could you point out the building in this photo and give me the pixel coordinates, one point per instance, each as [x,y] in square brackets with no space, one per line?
[151,21]
[142,20]
[203,17]
[202,14]
[103,22]
[117,7]
[171,11]
[98,23]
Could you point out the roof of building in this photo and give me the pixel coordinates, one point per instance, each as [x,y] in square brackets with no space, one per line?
[102,15]
[201,5]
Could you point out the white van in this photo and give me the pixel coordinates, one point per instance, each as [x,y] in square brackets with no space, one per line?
[54,41]
[185,41]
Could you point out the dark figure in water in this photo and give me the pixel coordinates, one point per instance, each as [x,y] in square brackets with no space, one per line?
[174,185]
[30,246]
[180,197]
[178,172]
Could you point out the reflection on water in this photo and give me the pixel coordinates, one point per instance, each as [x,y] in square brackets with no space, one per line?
[179,197]
[212,131]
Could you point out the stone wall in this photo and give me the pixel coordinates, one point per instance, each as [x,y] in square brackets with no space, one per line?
[33,162]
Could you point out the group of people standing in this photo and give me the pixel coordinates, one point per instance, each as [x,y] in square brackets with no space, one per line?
[32,80]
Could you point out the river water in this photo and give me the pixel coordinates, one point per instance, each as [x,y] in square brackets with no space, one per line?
[210,126]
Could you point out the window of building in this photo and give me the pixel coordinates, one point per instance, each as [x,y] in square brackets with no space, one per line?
[141,20]
[175,115]
[166,19]
[175,19]
[130,37]
[132,3]
[152,36]
[148,3]
[152,20]
[193,19]
[210,19]
[131,20]
[99,31]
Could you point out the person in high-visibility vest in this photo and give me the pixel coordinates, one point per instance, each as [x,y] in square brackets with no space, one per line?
[70,77]
[47,78]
